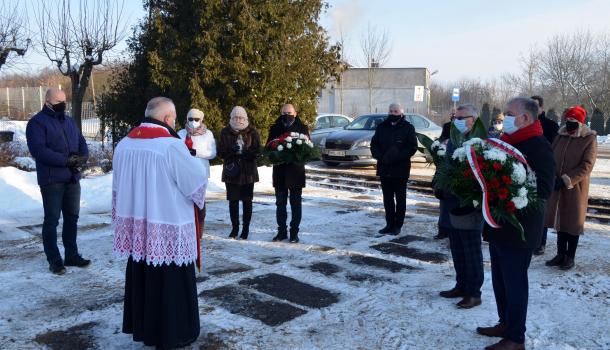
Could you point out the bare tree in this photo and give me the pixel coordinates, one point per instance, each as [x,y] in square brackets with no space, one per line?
[13,32]
[376,48]
[77,41]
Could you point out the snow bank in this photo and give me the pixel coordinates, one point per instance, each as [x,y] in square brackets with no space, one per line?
[603,140]
[16,126]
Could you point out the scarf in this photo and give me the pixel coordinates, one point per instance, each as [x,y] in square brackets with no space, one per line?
[198,131]
[238,125]
[523,134]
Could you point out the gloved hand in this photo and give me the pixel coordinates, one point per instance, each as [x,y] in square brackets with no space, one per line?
[192,151]
[73,161]
[559,184]
[439,193]
[235,148]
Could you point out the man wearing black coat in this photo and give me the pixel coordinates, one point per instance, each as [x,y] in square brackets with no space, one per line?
[288,179]
[510,255]
[550,130]
[393,145]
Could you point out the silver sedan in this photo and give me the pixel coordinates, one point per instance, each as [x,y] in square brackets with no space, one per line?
[352,144]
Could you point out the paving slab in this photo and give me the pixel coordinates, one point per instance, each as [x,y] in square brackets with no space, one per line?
[325,268]
[76,337]
[401,250]
[379,263]
[241,301]
[290,289]
[410,238]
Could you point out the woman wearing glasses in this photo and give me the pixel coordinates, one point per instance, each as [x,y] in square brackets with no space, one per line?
[200,142]
[239,147]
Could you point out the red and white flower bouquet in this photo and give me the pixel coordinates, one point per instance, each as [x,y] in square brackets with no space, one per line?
[291,147]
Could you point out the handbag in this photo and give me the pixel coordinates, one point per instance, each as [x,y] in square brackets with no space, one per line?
[231,169]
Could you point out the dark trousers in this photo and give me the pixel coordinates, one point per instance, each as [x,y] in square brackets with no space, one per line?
[394,200]
[545,231]
[281,215]
[246,211]
[567,244]
[467,260]
[509,278]
[59,199]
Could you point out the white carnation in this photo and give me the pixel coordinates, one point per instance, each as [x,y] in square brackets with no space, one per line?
[441,152]
[280,148]
[309,143]
[531,178]
[459,154]
[522,192]
[294,134]
[474,141]
[435,144]
[520,202]
[495,154]
[289,139]
[475,203]
[299,142]
[289,145]
[303,136]
[519,174]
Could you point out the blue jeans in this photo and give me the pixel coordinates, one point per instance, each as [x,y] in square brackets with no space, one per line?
[467,260]
[281,215]
[509,267]
[59,198]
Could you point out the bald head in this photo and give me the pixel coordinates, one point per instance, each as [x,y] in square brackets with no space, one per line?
[161,109]
[54,96]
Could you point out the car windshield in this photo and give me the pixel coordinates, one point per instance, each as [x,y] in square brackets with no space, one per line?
[366,122]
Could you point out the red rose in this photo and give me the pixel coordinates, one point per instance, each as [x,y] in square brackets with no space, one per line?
[503,193]
[480,159]
[510,207]
[497,166]
[491,197]
[467,173]
[494,183]
[506,179]
[484,166]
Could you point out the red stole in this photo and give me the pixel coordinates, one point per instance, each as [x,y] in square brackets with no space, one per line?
[523,134]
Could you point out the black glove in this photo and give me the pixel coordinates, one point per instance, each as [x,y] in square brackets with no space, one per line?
[235,148]
[439,193]
[73,161]
[559,184]
[192,151]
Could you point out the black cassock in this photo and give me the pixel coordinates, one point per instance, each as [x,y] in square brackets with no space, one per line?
[160,304]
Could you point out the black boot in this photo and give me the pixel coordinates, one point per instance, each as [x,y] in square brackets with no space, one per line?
[387,229]
[247,216]
[556,261]
[234,213]
[568,263]
[294,236]
[281,235]
[245,230]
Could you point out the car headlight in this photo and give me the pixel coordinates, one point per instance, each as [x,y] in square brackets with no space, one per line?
[363,144]
[323,142]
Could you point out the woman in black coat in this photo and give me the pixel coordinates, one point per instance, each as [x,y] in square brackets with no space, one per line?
[239,146]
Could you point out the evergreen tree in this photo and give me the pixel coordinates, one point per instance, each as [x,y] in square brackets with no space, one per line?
[486,115]
[597,121]
[213,55]
[552,115]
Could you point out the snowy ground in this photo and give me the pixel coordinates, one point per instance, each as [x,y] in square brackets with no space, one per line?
[359,303]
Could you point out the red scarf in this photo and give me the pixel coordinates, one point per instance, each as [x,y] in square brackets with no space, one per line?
[143,132]
[523,134]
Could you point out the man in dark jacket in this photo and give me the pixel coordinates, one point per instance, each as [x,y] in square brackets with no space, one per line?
[510,255]
[393,145]
[288,179]
[550,130]
[465,244]
[60,152]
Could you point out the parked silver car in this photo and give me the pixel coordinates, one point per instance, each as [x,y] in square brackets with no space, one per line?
[352,144]
[327,123]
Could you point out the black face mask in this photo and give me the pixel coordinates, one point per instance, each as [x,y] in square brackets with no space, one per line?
[288,119]
[571,126]
[394,118]
[59,107]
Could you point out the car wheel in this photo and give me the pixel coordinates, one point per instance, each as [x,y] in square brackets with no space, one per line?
[331,163]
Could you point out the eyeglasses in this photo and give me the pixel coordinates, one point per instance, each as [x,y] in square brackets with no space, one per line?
[193,119]
[462,118]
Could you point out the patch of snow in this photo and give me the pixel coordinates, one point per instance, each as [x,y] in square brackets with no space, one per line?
[25,163]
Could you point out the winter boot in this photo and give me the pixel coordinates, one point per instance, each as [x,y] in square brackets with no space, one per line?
[556,261]
[567,264]
[294,236]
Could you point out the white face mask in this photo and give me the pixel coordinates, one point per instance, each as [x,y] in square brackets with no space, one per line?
[460,125]
[194,124]
[509,124]
[498,126]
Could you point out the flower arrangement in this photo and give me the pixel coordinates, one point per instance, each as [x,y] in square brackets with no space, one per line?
[492,176]
[291,147]
[434,151]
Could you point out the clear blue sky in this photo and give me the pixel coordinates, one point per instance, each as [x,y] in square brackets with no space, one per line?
[460,39]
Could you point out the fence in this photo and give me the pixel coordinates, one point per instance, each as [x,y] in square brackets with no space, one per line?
[21,103]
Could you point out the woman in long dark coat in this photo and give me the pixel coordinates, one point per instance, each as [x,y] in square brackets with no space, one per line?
[575,149]
[239,147]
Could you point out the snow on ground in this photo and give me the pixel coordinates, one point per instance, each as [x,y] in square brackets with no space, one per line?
[376,308]
[603,139]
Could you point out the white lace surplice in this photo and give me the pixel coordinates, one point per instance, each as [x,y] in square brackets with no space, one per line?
[154,185]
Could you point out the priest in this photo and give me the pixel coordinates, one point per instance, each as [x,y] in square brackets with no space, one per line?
[156,187]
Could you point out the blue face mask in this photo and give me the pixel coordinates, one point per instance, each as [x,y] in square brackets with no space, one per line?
[460,125]
[509,124]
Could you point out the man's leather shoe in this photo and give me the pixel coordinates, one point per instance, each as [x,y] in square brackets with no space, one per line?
[57,269]
[495,331]
[469,302]
[78,262]
[506,344]
[539,250]
[279,237]
[556,261]
[452,293]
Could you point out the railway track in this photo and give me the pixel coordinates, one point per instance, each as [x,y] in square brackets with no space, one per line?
[599,208]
